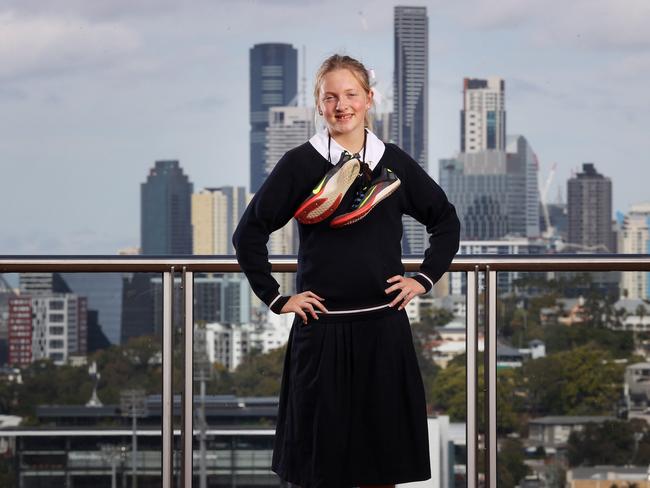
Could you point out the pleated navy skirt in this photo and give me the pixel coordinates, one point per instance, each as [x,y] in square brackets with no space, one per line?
[352,407]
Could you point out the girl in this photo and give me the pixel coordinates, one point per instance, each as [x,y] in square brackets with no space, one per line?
[352,410]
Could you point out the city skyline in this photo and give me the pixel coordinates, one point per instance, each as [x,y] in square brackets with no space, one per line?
[98,93]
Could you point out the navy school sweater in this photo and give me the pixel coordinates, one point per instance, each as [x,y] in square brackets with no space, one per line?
[348,266]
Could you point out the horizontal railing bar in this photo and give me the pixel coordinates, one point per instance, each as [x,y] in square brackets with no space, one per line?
[228,264]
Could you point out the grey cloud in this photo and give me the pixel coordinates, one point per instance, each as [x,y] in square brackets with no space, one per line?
[580,24]
[207,103]
[12,93]
[94,10]
[596,25]
[504,14]
[48,46]
[520,86]
[630,67]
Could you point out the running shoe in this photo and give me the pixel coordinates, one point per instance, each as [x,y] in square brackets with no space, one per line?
[327,195]
[368,197]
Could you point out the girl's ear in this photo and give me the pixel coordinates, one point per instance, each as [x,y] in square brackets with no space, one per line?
[371,95]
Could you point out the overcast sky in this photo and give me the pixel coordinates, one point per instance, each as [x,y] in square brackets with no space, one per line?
[93,92]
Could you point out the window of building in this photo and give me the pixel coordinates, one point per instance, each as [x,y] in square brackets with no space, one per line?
[56,356]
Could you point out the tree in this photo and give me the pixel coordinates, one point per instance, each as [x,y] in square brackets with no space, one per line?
[558,338]
[47,384]
[611,442]
[641,312]
[448,392]
[448,395]
[508,401]
[134,365]
[7,474]
[259,374]
[584,381]
[600,310]
[510,463]
[422,334]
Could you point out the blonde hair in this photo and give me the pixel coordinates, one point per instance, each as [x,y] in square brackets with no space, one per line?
[358,70]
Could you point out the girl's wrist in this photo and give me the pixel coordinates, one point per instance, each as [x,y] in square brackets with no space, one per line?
[278,303]
[424,281]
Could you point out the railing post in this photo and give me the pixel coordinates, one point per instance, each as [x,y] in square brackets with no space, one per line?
[490,353]
[167,394]
[471,367]
[188,392]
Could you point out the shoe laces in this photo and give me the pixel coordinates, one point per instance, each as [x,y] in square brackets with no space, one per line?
[359,195]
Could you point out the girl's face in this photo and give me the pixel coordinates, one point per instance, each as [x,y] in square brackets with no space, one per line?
[343,102]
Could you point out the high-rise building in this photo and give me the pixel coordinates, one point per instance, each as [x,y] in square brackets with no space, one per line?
[35,283]
[483,118]
[104,294]
[273,83]
[411,94]
[287,128]
[215,214]
[381,125]
[590,211]
[494,191]
[410,122]
[137,318]
[220,297]
[165,210]
[229,344]
[634,238]
[523,163]
[6,293]
[47,327]
[20,331]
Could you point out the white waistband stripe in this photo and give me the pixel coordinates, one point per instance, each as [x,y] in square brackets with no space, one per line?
[355,310]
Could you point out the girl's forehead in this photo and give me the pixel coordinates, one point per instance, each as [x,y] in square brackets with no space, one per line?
[340,79]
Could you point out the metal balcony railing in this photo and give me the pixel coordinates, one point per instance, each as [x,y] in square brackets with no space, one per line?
[474,266]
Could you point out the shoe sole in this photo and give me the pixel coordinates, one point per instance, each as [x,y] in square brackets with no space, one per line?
[356,215]
[323,204]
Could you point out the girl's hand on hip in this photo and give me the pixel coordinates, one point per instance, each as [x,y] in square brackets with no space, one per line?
[304,302]
[408,287]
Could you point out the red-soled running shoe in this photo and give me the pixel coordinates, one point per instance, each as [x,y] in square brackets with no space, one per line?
[368,197]
[327,195]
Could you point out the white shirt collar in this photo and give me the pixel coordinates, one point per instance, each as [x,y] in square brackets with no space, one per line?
[374,148]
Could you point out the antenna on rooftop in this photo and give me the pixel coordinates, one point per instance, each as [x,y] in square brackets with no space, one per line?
[303,79]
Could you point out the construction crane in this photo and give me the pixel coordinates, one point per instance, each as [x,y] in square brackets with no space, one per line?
[549,232]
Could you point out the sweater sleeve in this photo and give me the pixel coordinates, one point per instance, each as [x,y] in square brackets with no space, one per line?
[270,209]
[428,204]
